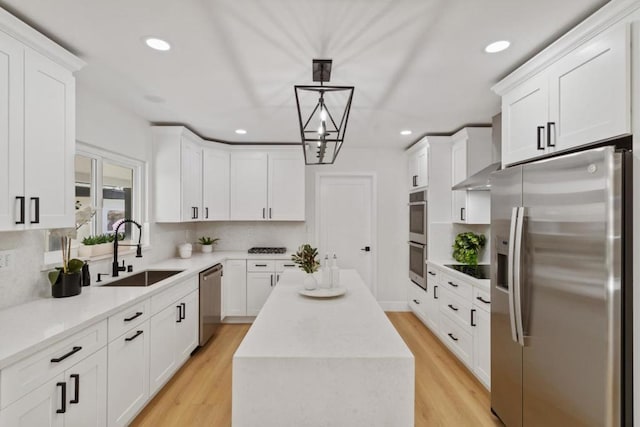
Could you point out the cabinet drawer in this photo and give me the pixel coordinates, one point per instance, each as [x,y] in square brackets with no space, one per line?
[173,294]
[417,298]
[482,299]
[456,308]
[261,265]
[433,275]
[459,341]
[282,265]
[30,373]
[460,287]
[126,319]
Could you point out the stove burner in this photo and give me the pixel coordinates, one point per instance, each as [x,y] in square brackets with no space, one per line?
[267,250]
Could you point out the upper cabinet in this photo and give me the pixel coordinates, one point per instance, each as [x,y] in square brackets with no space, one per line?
[419,166]
[215,184]
[37,145]
[581,98]
[268,185]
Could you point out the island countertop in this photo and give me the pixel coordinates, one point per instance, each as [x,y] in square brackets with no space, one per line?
[307,359]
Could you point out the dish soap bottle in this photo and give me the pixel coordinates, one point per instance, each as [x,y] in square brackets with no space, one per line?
[335,273]
[325,278]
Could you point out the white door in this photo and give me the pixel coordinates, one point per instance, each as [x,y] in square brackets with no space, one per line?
[162,345]
[215,185]
[49,143]
[87,392]
[259,286]
[11,119]
[187,329]
[191,181]
[286,185]
[482,345]
[248,186]
[38,408]
[345,223]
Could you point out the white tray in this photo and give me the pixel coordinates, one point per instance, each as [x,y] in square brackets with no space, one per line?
[323,293]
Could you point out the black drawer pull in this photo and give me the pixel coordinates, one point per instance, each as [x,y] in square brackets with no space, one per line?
[63,409]
[550,133]
[37,218]
[452,337]
[136,335]
[135,316]
[540,143]
[416,301]
[61,358]
[260,265]
[483,300]
[289,265]
[473,320]
[453,284]
[21,220]
[431,273]
[184,310]
[452,307]
[179,307]
[76,392]
[435,294]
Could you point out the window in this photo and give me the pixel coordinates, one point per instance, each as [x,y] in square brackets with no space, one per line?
[113,185]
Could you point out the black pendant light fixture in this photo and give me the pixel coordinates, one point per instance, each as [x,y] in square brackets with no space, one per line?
[326,111]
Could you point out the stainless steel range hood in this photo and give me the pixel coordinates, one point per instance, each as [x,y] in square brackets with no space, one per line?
[480,180]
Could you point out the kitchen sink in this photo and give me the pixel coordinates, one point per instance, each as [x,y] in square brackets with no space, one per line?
[144,278]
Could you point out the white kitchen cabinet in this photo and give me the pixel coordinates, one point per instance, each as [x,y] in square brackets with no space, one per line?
[162,345]
[215,184]
[419,166]
[431,310]
[481,325]
[234,288]
[583,97]
[267,185]
[259,287]
[471,207]
[417,300]
[38,408]
[128,375]
[187,329]
[191,180]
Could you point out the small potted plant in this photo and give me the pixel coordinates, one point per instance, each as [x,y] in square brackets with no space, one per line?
[66,281]
[100,244]
[307,259]
[467,246]
[207,244]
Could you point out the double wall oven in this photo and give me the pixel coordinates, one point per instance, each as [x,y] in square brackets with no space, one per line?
[418,237]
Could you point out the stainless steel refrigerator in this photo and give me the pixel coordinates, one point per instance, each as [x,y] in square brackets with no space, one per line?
[561,291]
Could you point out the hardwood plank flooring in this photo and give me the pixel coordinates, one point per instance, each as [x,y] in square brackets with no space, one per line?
[200,393]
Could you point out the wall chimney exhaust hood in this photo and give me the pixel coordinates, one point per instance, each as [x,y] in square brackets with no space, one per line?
[480,180]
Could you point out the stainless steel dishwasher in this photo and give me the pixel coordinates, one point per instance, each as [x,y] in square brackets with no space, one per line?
[210,302]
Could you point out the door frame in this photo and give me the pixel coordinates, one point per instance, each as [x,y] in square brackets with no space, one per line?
[372,176]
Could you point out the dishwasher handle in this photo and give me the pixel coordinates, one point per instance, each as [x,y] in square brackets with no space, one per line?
[213,270]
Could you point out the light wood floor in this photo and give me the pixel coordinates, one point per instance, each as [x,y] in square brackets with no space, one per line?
[200,393]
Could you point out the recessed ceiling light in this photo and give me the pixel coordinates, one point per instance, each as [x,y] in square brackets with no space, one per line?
[498,46]
[157,44]
[406,132]
[241,131]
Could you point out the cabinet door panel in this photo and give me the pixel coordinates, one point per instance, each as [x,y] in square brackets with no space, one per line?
[286,186]
[422,167]
[162,362]
[234,288]
[590,91]
[215,185]
[191,181]
[248,186]
[187,330]
[128,374]
[37,408]
[88,381]
[482,345]
[459,206]
[259,286]
[49,143]
[11,120]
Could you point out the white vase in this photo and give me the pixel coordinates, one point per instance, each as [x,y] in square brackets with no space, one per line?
[310,282]
[185,250]
[207,249]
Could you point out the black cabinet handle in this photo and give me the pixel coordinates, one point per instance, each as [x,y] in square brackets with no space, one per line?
[289,265]
[206,213]
[452,307]
[277,278]
[453,284]
[260,265]
[431,273]
[435,295]
[135,316]
[271,280]
[415,180]
[416,301]
[37,219]
[452,337]
[263,213]
[539,136]
[184,310]
[179,307]
[366,249]
[473,320]
[550,133]
[64,356]
[269,213]
[193,212]
[463,214]
[76,392]
[63,409]
[136,335]
[21,198]
[483,300]
[197,213]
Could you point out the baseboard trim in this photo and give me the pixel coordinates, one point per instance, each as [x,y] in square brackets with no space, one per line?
[394,305]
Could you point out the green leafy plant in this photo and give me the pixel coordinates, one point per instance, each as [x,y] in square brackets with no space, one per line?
[101,238]
[306,258]
[467,246]
[207,240]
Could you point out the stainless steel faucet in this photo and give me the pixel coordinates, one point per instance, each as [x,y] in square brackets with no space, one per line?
[116,269]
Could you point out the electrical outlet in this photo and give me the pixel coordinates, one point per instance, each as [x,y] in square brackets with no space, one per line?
[6,260]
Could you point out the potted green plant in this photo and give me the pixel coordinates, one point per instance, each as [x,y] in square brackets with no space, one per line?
[307,260]
[207,244]
[97,245]
[467,246]
[66,280]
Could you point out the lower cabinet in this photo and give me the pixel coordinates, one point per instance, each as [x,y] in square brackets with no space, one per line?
[128,374]
[481,323]
[234,288]
[259,287]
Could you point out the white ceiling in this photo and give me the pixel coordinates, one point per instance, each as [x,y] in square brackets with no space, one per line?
[415,64]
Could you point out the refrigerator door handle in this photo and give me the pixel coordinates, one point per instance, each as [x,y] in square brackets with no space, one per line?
[517,273]
[512,234]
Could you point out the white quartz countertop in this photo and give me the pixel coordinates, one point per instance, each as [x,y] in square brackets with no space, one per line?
[294,326]
[484,284]
[29,327]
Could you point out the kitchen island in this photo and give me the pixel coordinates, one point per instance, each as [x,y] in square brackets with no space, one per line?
[312,362]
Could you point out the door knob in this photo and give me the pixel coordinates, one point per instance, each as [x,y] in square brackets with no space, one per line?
[366,249]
